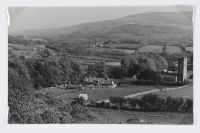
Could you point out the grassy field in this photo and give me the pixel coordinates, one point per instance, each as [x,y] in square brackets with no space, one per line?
[126,45]
[97,94]
[159,49]
[151,48]
[186,92]
[110,116]
[21,49]
[105,93]
[173,49]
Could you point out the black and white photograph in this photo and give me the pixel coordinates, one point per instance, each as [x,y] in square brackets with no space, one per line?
[100,65]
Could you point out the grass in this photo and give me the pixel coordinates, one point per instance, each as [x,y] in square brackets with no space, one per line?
[110,116]
[125,45]
[22,49]
[97,94]
[105,93]
[186,92]
[151,48]
[159,49]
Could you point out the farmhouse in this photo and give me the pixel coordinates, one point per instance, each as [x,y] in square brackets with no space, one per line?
[98,81]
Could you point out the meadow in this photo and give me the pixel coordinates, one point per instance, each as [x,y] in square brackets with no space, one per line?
[111,116]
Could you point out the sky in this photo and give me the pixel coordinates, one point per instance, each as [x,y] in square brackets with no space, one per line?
[22,18]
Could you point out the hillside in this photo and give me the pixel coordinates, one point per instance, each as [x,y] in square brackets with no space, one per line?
[167,28]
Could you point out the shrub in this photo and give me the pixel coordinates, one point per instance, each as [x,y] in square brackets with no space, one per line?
[80,114]
[149,102]
[118,101]
[133,103]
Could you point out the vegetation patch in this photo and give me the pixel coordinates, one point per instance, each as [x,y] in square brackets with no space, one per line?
[149,103]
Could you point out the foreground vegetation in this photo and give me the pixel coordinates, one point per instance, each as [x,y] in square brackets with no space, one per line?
[147,103]
[26,107]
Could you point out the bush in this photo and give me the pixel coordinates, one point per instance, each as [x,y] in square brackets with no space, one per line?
[80,114]
[152,102]
[147,74]
[117,101]
[133,103]
[149,102]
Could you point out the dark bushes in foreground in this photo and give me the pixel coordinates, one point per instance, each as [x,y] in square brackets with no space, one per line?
[149,103]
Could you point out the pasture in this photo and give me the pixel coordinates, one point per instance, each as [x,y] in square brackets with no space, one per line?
[125,45]
[151,48]
[21,49]
[97,94]
[142,48]
[159,49]
[186,92]
[110,116]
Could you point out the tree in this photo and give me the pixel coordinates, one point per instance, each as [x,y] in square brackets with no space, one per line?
[91,71]
[76,73]
[126,64]
[114,72]
[67,71]
[147,74]
[19,89]
[136,63]
[99,69]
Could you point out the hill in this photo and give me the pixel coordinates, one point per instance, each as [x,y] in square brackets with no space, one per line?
[155,27]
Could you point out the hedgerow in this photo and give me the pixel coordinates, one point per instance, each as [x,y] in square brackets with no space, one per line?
[148,103]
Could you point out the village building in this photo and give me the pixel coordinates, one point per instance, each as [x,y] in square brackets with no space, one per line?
[98,81]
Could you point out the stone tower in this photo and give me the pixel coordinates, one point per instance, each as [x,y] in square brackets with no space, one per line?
[182,69]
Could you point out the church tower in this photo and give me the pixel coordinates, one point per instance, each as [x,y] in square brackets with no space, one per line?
[182,69]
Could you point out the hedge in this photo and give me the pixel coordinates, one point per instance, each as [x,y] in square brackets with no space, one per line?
[147,103]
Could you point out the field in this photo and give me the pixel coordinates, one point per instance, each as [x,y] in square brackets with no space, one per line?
[97,94]
[141,48]
[21,49]
[151,48]
[159,49]
[126,45]
[104,93]
[186,92]
[110,116]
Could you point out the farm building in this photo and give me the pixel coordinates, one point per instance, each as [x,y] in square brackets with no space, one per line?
[98,81]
